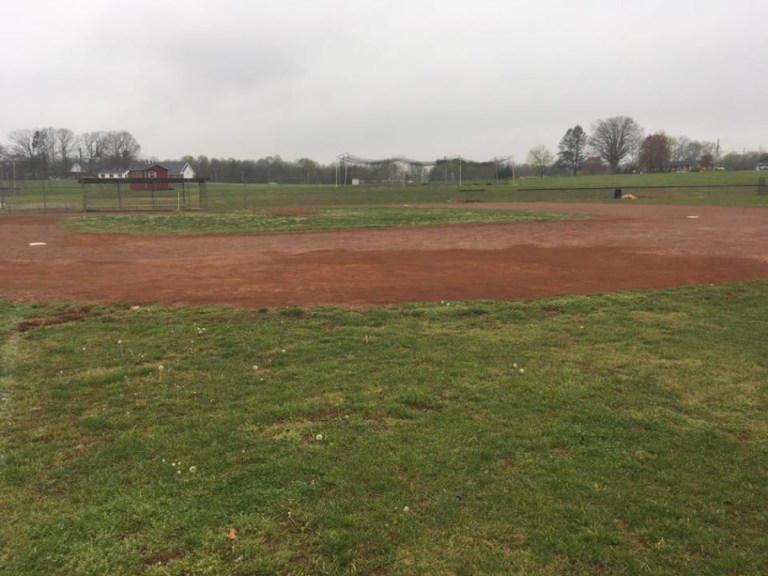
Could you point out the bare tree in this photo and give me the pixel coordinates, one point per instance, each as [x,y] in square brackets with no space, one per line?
[678,148]
[65,142]
[693,152]
[711,149]
[654,152]
[22,144]
[615,139]
[573,148]
[121,149]
[92,146]
[707,161]
[540,158]
[34,148]
[49,147]
[41,148]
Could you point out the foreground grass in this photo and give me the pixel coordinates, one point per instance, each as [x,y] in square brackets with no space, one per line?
[234,223]
[613,434]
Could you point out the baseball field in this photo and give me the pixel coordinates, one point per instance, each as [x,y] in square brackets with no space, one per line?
[496,387]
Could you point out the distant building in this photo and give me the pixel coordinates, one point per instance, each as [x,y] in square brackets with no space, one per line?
[681,166]
[77,171]
[179,170]
[111,174]
[149,173]
[161,172]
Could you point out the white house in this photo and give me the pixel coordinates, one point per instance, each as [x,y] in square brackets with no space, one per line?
[762,165]
[112,174]
[179,170]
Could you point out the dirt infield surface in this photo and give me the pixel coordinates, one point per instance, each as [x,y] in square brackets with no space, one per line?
[623,246]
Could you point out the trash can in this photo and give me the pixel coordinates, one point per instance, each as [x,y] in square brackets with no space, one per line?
[617,194]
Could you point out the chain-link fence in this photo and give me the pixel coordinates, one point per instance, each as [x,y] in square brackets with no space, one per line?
[112,195]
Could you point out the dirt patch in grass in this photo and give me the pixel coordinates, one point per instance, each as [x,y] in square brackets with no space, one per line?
[325,415]
[61,318]
[163,557]
[291,212]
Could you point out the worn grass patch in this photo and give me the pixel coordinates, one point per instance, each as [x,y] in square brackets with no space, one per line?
[296,220]
[614,434]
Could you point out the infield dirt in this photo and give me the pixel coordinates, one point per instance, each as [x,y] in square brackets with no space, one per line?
[621,246]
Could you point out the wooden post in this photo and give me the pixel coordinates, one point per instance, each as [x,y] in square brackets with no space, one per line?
[85,196]
[119,197]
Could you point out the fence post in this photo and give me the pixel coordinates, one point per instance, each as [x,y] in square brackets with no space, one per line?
[85,197]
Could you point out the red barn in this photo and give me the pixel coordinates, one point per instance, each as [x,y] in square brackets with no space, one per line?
[150,173]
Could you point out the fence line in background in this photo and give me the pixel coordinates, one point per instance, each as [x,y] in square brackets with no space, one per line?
[121,196]
[115,195]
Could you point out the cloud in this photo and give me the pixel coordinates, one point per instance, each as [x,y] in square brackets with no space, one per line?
[424,78]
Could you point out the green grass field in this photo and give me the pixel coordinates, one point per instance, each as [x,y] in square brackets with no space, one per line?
[747,177]
[691,188]
[237,223]
[612,434]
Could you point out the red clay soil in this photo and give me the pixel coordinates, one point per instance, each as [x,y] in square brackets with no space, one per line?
[622,246]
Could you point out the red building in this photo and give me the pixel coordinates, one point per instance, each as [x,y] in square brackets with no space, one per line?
[150,174]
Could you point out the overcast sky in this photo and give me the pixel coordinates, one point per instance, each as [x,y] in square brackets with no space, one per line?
[315,78]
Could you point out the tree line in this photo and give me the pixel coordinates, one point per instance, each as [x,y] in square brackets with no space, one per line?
[263,170]
[52,152]
[307,171]
[614,144]
[618,144]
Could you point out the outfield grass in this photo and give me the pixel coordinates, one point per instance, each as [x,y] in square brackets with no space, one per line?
[616,434]
[234,197]
[746,177]
[238,223]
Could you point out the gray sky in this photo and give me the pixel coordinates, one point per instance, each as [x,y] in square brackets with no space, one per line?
[378,78]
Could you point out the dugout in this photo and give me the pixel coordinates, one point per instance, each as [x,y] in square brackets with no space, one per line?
[144,194]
